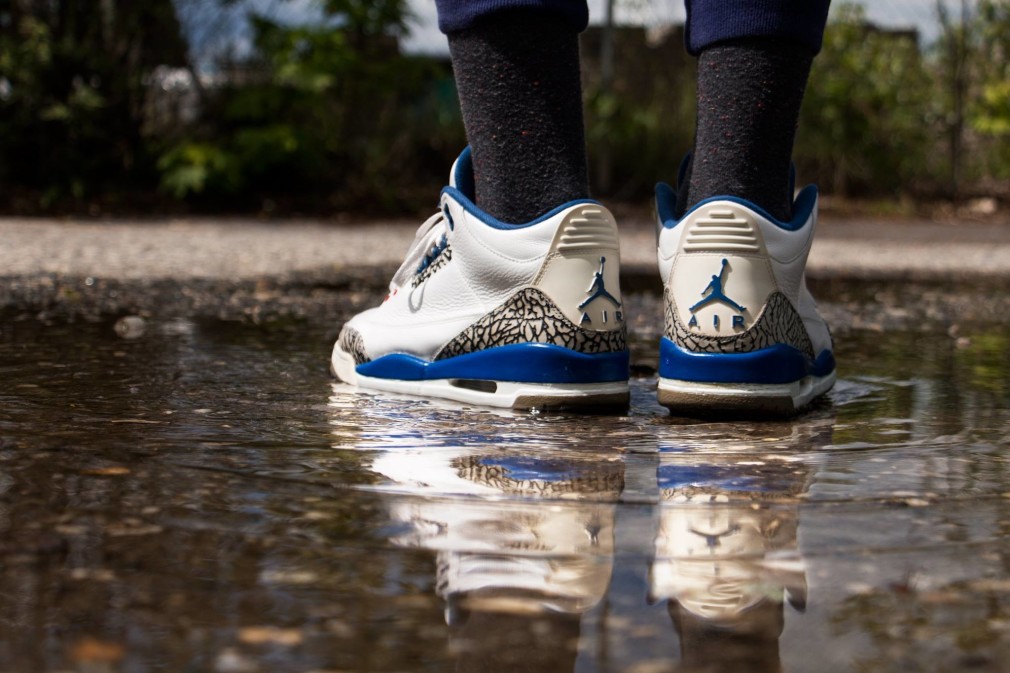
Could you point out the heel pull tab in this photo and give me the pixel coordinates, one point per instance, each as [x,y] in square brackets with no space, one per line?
[582,271]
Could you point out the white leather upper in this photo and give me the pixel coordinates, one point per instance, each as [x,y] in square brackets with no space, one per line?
[486,266]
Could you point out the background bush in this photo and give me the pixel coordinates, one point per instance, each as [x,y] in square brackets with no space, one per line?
[331,116]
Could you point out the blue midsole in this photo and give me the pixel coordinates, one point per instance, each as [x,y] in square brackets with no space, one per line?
[773,365]
[521,363]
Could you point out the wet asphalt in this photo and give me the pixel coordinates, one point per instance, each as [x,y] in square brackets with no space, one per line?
[183,486]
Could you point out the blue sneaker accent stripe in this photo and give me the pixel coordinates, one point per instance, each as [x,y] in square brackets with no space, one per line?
[824,364]
[666,206]
[722,478]
[464,173]
[524,363]
[464,191]
[525,468]
[470,207]
[776,364]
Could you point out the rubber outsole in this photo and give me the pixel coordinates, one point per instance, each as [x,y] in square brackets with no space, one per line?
[608,396]
[706,400]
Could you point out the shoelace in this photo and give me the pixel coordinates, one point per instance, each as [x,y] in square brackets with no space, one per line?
[429,242]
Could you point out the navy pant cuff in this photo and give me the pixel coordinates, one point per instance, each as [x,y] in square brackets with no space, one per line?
[711,22]
[455,15]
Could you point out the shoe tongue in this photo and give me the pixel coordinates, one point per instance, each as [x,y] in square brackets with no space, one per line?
[461,176]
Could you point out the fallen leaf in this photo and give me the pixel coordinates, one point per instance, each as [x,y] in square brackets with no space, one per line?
[112,471]
[270,635]
[92,650]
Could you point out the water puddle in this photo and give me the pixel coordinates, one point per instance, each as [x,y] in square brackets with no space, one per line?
[199,495]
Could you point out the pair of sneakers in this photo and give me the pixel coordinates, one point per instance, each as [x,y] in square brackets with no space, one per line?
[531,315]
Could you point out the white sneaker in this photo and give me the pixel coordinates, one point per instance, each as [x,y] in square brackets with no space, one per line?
[504,315]
[742,332]
[511,531]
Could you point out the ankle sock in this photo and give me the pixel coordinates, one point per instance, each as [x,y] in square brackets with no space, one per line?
[521,95]
[749,97]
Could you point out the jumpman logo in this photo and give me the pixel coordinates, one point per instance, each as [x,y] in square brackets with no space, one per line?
[715,292]
[598,288]
[713,540]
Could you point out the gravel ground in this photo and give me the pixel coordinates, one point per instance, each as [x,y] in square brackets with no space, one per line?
[250,269]
[251,249]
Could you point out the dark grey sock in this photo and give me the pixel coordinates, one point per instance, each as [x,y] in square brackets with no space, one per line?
[749,96]
[520,91]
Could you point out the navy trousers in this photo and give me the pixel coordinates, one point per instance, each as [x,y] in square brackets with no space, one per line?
[708,21]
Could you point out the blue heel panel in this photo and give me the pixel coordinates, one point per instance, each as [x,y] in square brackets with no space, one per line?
[776,364]
[525,363]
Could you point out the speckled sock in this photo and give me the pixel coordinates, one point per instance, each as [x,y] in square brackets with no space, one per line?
[749,97]
[520,92]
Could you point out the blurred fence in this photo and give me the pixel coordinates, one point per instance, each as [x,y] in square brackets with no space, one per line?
[313,105]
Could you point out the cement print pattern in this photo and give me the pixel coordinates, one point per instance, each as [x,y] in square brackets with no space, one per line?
[430,270]
[778,323]
[531,317]
[352,344]
[603,483]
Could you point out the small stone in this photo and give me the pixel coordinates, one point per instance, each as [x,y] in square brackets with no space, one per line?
[270,635]
[133,530]
[651,666]
[131,327]
[110,471]
[289,577]
[70,529]
[231,661]
[93,574]
[982,206]
[340,628]
[95,651]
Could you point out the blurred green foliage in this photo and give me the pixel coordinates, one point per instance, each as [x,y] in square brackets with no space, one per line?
[320,117]
[331,116]
[644,124]
[72,85]
[327,116]
[862,127]
[879,118]
[989,111]
[881,114]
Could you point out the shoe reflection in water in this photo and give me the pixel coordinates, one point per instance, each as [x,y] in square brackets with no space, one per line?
[726,554]
[523,528]
[524,548]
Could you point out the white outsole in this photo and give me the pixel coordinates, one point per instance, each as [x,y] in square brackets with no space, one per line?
[507,394]
[716,397]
